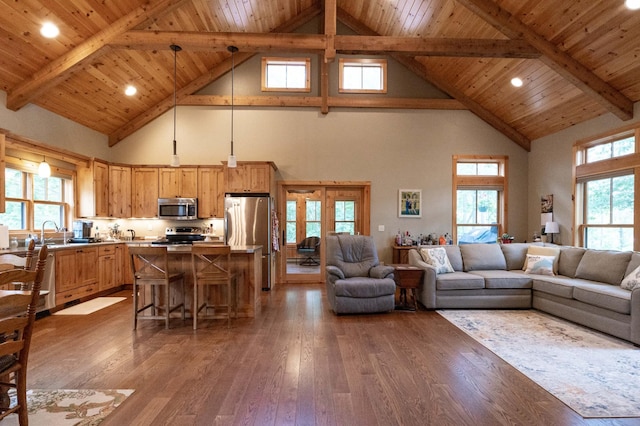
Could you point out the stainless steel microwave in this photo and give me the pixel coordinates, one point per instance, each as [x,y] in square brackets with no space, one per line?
[178,208]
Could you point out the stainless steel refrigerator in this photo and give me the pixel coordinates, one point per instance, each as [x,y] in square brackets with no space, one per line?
[247,221]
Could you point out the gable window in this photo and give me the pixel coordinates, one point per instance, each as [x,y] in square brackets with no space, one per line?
[479,200]
[286,74]
[362,75]
[606,171]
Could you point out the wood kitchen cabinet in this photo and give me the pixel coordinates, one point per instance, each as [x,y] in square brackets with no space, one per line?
[144,191]
[251,177]
[178,182]
[107,267]
[210,192]
[92,187]
[76,273]
[119,191]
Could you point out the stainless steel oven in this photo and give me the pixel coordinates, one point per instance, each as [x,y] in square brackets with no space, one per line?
[178,208]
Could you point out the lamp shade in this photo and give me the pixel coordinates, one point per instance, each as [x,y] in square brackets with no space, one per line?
[551,228]
[44,170]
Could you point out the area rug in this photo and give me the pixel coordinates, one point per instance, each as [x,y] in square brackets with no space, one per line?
[62,407]
[90,306]
[595,374]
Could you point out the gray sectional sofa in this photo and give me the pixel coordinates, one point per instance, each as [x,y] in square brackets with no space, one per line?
[585,288]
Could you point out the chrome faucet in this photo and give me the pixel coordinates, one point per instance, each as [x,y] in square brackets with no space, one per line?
[42,231]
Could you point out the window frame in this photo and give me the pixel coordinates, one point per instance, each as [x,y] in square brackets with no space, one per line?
[584,172]
[477,182]
[362,62]
[267,60]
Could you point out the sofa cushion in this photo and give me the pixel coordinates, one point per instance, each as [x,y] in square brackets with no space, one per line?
[437,257]
[633,263]
[515,254]
[482,257]
[608,297]
[362,287]
[605,266]
[569,259]
[632,280]
[558,285]
[545,251]
[454,256]
[539,265]
[504,279]
[459,281]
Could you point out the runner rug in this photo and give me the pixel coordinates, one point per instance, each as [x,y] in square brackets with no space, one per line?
[90,306]
[64,407]
[595,374]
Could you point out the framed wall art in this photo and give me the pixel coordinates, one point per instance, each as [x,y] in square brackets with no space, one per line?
[410,203]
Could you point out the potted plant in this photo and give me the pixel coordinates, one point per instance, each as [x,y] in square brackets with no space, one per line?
[506,238]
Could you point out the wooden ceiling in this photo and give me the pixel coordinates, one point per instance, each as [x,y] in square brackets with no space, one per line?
[578,58]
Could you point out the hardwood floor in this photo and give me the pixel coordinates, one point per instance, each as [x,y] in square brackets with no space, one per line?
[296,363]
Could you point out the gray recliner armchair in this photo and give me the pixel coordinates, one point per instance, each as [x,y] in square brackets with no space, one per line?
[356,282]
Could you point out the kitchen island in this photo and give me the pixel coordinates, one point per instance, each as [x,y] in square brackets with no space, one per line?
[246,263]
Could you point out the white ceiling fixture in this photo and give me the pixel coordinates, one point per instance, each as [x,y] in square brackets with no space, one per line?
[516,82]
[231,162]
[130,90]
[49,30]
[175,160]
[44,170]
[632,4]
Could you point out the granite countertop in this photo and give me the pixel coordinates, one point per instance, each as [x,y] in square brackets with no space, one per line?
[171,248]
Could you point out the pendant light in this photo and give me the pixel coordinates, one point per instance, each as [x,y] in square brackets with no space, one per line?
[175,160]
[44,170]
[232,158]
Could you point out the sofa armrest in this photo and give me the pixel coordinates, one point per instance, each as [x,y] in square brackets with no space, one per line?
[336,272]
[427,292]
[381,271]
[635,315]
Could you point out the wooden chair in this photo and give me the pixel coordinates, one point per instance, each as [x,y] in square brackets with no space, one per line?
[17,319]
[150,266]
[211,266]
[12,261]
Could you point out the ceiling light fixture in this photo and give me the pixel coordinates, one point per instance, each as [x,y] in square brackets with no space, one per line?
[232,158]
[44,170]
[632,4]
[516,82]
[130,90]
[49,30]
[175,160]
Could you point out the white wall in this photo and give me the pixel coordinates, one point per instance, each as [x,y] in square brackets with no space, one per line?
[550,170]
[392,149]
[38,124]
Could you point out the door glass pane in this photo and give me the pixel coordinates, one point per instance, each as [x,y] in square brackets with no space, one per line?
[313,216]
[598,201]
[291,222]
[622,195]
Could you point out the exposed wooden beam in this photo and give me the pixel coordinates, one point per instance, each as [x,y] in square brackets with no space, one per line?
[316,101]
[555,58]
[419,69]
[436,46]
[202,81]
[330,29]
[59,69]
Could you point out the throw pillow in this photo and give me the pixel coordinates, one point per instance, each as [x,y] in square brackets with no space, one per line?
[632,280]
[545,251]
[539,264]
[437,257]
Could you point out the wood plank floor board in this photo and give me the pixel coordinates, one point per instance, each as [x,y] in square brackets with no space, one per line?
[296,363]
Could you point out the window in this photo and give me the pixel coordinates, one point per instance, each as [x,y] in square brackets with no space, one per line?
[363,76]
[606,171]
[345,216]
[286,74]
[291,221]
[479,185]
[32,200]
[313,217]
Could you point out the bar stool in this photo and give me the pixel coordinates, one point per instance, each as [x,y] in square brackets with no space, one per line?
[211,266]
[150,267]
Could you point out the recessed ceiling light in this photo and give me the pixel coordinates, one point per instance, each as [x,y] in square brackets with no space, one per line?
[49,30]
[632,4]
[130,90]
[516,82]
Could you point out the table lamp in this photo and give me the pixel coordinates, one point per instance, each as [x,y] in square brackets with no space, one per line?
[551,228]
